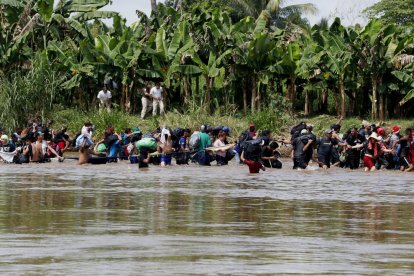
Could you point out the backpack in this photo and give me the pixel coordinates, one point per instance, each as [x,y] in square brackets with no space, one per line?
[194,141]
[217,129]
[147,143]
[177,133]
[298,128]
[295,131]
[253,151]
[110,139]
[251,148]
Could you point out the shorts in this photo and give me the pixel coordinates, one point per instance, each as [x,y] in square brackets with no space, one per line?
[325,160]
[404,161]
[254,166]
[368,162]
[61,145]
[166,159]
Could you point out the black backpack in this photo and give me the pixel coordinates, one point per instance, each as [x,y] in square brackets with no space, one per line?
[110,140]
[298,128]
[177,133]
[295,131]
[252,149]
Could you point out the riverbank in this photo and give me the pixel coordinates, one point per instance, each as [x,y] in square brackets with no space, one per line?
[279,125]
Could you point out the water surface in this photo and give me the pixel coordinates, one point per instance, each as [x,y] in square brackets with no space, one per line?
[117,219]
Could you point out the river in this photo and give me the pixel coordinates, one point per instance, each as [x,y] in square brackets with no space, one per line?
[117,219]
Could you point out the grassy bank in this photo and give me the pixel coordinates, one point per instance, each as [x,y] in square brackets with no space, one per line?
[279,125]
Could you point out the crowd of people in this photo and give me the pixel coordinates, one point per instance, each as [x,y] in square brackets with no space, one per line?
[369,147]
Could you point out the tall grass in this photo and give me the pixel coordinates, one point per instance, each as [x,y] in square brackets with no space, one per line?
[27,94]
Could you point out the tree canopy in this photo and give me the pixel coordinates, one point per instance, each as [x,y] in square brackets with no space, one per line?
[400,12]
[204,56]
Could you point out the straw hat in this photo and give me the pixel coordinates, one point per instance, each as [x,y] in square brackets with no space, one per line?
[365,123]
[375,136]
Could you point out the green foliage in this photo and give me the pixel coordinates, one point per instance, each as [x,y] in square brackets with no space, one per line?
[392,11]
[28,94]
[212,59]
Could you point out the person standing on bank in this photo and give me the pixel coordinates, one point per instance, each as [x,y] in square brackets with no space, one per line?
[157,99]
[104,97]
[146,101]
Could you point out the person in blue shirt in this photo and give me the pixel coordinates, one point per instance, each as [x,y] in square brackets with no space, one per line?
[182,154]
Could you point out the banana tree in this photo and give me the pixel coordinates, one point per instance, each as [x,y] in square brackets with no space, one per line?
[15,33]
[339,52]
[379,47]
[290,64]
[309,69]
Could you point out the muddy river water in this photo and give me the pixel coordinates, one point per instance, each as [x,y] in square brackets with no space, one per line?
[117,219]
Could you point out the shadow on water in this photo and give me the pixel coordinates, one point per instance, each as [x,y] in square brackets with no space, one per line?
[116,219]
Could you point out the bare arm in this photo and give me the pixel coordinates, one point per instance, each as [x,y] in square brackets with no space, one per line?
[307,145]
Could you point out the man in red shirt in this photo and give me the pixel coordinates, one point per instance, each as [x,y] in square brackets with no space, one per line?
[254,166]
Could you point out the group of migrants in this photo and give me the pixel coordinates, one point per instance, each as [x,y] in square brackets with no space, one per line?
[36,143]
[369,146]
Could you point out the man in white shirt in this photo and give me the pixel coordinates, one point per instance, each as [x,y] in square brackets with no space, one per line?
[157,99]
[146,101]
[104,97]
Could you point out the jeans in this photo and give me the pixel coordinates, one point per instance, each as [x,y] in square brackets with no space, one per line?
[114,150]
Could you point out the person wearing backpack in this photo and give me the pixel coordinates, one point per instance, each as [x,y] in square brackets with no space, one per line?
[300,145]
[251,160]
[182,155]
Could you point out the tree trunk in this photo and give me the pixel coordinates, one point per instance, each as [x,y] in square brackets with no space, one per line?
[354,103]
[306,103]
[127,101]
[381,101]
[154,5]
[186,87]
[324,106]
[292,89]
[244,88]
[342,93]
[209,83]
[254,94]
[259,97]
[123,89]
[374,111]
[197,92]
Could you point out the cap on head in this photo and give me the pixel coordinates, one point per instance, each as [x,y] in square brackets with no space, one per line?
[380,131]
[203,128]
[226,129]
[304,131]
[328,131]
[395,129]
[4,137]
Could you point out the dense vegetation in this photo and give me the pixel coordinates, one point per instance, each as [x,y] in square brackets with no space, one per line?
[212,56]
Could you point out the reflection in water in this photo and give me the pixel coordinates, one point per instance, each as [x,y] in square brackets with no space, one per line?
[57,218]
